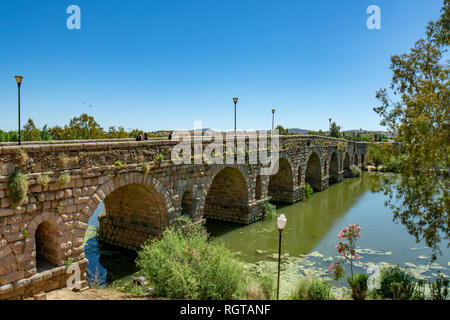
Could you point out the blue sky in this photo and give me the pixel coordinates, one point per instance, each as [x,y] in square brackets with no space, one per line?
[163,64]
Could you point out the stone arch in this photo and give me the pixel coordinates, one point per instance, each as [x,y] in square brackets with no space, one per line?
[227,196]
[281,185]
[137,207]
[355,161]
[313,174]
[334,169]
[346,166]
[363,160]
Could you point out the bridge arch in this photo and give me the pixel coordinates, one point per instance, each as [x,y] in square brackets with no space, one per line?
[137,207]
[355,161]
[226,196]
[313,174]
[281,184]
[334,169]
[187,207]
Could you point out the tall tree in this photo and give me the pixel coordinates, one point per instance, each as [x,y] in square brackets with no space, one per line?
[334,130]
[30,131]
[420,115]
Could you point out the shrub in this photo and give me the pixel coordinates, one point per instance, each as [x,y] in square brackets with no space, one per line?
[59,208]
[18,188]
[315,289]
[63,160]
[270,210]
[22,156]
[43,180]
[159,158]
[262,288]
[396,283]
[145,168]
[359,286]
[356,171]
[183,264]
[119,165]
[307,191]
[439,288]
[63,179]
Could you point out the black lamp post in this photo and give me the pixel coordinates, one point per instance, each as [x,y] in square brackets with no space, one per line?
[273,117]
[235,100]
[19,82]
[281,223]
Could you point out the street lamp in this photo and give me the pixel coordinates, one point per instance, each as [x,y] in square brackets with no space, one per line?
[281,223]
[19,82]
[235,100]
[273,116]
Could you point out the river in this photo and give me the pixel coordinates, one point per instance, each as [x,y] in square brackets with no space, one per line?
[308,240]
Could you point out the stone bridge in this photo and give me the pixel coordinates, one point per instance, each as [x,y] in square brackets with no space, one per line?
[67,180]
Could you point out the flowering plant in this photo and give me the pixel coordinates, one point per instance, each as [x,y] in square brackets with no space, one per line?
[346,248]
[337,270]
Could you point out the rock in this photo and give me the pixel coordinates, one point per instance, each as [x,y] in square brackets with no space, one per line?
[140,281]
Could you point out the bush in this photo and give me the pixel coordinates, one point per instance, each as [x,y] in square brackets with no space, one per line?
[63,179]
[270,210]
[356,171]
[159,158]
[395,283]
[22,156]
[119,165]
[145,167]
[359,286]
[183,264]
[63,160]
[43,180]
[261,289]
[18,188]
[315,289]
[307,191]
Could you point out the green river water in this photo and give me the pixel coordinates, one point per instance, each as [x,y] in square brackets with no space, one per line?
[308,240]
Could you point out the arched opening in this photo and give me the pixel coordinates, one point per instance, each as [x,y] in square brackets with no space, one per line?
[281,185]
[334,169]
[347,172]
[362,160]
[258,188]
[47,251]
[313,175]
[227,197]
[356,160]
[133,214]
[186,204]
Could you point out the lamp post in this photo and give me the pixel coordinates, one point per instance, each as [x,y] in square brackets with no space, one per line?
[19,82]
[273,116]
[235,100]
[281,223]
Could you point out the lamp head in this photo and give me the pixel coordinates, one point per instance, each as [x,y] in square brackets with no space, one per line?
[281,222]
[18,79]
[273,110]
[235,100]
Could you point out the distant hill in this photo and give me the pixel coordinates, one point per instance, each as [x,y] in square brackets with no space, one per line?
[297,130]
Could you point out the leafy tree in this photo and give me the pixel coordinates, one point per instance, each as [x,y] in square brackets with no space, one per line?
[420,116]
[30,131]
[334,130]
[83,127]
[282,130]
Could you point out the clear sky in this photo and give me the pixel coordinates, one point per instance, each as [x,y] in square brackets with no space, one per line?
[163,64]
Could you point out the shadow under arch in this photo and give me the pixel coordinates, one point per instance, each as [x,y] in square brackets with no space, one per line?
[281,185]
[334,169]
[313,174]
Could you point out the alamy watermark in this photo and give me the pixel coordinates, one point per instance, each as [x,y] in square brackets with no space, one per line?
[374,20]
[74,20]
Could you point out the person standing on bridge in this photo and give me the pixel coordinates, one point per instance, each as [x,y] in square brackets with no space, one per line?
[139,137]
[145,136]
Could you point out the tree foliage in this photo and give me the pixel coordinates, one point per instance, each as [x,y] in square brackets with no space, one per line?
[419,114]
